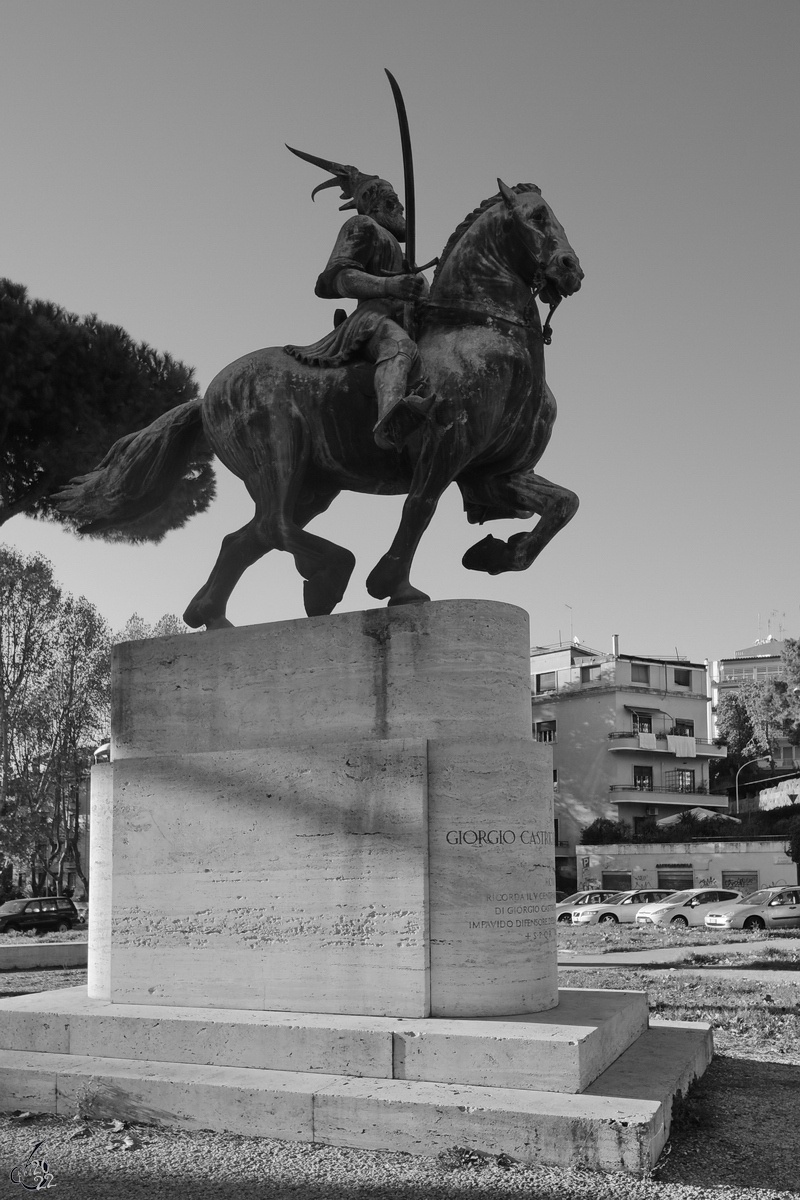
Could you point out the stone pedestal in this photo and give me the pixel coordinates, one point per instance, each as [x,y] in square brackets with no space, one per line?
[343,815]
[322,908]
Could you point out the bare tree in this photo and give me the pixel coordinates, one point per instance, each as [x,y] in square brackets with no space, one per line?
[29,608]
[54,697]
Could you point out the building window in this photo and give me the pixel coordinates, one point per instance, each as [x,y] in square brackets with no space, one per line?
[683,677]
[683,729]
[679,781]
[555,779]
[642,723]
[545,731]
[640,673]
[546,682]
[643,779]
[590,673]
[555,829]
[787,754]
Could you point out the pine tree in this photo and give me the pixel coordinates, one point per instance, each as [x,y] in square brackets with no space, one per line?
[69,388]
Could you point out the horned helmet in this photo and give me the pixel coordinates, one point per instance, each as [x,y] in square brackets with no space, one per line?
[358,190]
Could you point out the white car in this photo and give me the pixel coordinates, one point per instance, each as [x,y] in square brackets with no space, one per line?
[623,907]
[771,908]
[578,900]
[685,908]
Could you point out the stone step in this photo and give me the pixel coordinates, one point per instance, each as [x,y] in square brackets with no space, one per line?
[563,1049]
[620,1124]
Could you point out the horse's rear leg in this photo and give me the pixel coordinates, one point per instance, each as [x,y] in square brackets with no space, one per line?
[523,492]
[285,501]
[325,566]
[329,566]
[238,552]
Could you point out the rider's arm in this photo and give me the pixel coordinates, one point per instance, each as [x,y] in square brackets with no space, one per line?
[358,285]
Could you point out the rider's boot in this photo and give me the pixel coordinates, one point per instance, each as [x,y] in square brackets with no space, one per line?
[400,412]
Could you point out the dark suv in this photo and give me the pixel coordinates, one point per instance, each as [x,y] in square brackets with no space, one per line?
[40,913]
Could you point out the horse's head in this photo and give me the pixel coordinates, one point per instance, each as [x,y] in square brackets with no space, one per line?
[552,265]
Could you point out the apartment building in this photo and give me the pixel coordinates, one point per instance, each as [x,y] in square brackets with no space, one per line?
[631,739]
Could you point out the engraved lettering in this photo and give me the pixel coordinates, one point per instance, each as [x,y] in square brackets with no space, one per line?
[498,837]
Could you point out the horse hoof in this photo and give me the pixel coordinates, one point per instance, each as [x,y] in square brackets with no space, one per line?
[408,595]
[321,594]
[219,623]
[193,618]
[487,555]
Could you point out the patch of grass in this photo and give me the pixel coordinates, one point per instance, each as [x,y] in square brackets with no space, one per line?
[748,1016]
[78,934]
[770,958]
[613,939]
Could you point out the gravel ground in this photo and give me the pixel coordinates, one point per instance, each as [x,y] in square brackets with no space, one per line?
[737,1136]
[716,1153]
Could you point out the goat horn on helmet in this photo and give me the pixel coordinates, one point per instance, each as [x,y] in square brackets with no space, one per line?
[348,178]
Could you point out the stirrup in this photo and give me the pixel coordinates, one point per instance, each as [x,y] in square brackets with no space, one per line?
[402,420]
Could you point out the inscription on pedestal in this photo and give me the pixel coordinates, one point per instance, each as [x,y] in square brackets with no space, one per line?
[491,836]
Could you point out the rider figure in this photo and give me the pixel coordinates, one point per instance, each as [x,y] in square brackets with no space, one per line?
[367,265]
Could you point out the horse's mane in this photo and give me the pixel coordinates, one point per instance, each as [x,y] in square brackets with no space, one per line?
[460,230]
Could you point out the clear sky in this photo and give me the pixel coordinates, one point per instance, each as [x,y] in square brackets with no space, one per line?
[145,179]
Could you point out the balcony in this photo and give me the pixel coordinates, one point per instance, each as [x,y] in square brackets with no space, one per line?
[631,741]
[668,795]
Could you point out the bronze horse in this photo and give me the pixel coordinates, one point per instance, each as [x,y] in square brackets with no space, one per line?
[297,435]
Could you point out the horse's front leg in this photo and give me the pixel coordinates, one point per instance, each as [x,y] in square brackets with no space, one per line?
[523,492]
[435,470]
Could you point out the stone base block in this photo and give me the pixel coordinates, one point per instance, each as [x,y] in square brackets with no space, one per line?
[608,1128]
[563,1049]
[344,814]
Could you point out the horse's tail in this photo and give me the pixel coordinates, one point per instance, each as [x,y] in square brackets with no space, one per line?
[148,483]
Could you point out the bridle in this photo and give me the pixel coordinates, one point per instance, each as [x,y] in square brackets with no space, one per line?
[539,281]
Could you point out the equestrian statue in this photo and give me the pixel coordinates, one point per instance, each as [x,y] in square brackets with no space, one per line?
[414,390]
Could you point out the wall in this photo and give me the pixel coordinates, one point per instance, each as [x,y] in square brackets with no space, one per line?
[708,859]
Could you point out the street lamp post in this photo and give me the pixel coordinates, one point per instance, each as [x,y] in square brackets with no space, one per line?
[758,758]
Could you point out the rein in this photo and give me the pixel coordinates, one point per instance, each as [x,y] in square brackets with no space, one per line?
[447,314]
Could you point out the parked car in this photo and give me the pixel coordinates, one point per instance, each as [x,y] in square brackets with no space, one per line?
[684,908]
[577,900]
[623,907]
[771,908]
[38,914]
